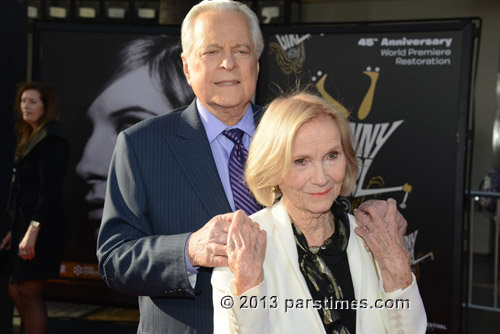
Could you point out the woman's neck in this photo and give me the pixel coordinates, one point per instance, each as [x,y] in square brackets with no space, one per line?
[315,227]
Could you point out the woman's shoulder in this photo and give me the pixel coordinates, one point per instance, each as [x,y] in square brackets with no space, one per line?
[352,220]
[54,141]
[54,128]
[354,239]
[270,216]
[53,132]
[263,217]
[53,150]
[352,225]
[50,136]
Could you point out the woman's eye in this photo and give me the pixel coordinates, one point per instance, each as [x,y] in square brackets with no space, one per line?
[125,122]
[299,161]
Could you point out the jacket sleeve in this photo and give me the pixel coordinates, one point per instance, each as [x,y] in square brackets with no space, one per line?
[132,259]
[239,314]
[405,309]
[53,157]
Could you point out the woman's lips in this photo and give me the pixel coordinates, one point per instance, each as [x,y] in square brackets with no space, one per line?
[95,201]
[95,214]
[321,194]
[94,208]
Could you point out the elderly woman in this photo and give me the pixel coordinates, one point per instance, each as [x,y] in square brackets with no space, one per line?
[309,268]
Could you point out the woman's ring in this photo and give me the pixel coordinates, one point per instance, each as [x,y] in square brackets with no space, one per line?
[256,225]
[24,252]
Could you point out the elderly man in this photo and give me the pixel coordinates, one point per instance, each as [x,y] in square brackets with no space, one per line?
[172,175]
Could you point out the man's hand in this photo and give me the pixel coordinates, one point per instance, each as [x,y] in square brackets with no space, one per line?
[207,246]
[381,206]
[382,234]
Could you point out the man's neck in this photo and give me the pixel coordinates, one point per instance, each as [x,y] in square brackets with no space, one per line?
[229,116]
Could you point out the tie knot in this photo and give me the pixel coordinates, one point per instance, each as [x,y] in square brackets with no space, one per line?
[235,134]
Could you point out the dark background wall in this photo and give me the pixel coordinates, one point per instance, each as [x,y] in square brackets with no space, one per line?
[13,70]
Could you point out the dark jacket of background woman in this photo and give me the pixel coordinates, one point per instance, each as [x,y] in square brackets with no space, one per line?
[36,195]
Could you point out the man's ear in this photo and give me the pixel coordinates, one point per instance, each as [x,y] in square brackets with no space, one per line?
[185,68]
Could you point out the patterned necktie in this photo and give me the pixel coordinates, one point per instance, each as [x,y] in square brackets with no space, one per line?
[243,199]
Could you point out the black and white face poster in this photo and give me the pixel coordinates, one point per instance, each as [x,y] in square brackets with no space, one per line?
[405,90]
[106,79]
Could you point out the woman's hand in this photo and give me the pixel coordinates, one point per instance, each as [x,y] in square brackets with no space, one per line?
[384,238]
[6,241]
[27,244]
[246,249]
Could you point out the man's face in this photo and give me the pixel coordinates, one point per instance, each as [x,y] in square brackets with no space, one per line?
[222,67]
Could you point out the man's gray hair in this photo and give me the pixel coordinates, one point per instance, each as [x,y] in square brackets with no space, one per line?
[187,33]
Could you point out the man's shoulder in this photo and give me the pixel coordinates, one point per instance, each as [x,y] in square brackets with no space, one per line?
[153,126]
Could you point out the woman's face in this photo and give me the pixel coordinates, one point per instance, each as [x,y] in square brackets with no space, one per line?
[130,99]
[317,171]
[32,107]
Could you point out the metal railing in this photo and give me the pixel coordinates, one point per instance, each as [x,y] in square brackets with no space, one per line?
[474,196]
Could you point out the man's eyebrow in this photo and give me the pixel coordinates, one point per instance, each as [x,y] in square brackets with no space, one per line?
[216,45]
[242,44]
[120,112]
[211,45]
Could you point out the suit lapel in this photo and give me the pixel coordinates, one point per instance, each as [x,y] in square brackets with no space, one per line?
[192,150]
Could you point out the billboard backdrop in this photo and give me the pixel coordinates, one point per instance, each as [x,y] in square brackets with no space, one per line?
[405,88]
[107,78]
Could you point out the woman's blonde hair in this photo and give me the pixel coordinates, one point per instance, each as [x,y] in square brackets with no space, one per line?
[270,155]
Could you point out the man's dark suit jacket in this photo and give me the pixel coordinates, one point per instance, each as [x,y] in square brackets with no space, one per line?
[163,184]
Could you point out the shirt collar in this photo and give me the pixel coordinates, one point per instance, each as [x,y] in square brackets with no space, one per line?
[214,126]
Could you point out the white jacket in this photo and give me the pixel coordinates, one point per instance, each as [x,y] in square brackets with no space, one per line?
[267,308]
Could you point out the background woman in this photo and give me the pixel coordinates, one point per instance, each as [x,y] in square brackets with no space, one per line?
[36,237]
[315,273]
